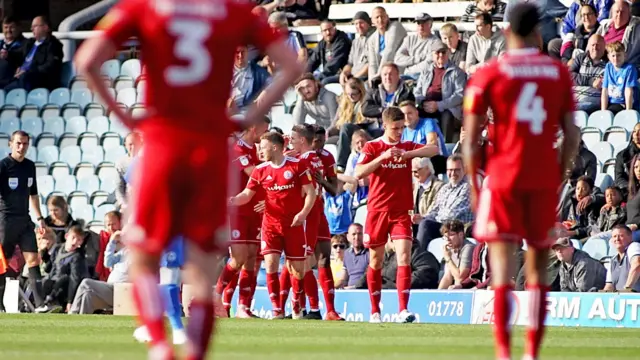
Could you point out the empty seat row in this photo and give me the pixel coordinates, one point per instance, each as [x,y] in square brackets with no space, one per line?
[73,155]
[67,184]
[58,126]
[87,212]
[604,119]
[104,170]
[67,111]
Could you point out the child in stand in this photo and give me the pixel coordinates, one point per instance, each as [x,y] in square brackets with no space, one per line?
[620,81]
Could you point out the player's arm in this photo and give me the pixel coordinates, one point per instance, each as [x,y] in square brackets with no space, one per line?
[34,199]
[243,198]
[290,70]
[329,184]
[570,144]
[249,170]
[309,192]
[367,163]
[423,151]
[118,24]
[475,109]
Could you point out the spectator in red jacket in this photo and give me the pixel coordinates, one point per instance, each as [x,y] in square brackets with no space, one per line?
[112,223]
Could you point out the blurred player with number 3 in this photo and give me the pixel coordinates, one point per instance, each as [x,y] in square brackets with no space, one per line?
[531,97]
[188,47]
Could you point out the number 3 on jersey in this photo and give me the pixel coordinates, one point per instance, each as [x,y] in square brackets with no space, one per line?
[530,108]
[191,36]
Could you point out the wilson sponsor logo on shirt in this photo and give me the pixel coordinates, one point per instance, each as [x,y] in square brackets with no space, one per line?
[281,187]
[392,165]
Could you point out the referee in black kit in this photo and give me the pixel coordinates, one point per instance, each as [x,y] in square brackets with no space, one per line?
[17,189]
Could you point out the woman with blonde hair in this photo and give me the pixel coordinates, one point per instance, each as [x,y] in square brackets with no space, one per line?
[349,118]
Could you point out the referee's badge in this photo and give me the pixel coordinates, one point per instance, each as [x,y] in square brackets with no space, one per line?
[13,183]
[29,182]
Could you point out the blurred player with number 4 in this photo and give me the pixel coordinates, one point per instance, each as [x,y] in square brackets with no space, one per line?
[387,162]
[188,47]
[530,95]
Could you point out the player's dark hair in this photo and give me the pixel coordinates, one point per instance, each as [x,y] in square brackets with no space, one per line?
[20,133]
[276,130]
[523,19]
[452,226]
[306,131]
[115,213]
[274,138]
[9,20]
[485,17]
[392,114]
[622,227]
[266,119]
[587,180]
[320,130]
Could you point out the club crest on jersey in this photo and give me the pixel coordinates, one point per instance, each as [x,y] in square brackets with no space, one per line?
[235,234]
[13,183]
[288,175]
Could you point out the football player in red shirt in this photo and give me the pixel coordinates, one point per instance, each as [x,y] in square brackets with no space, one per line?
[531,97]
[387,162]
[245,224]
[283,179]
[188,47]
[302,142]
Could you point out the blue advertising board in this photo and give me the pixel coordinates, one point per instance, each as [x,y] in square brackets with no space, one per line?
[593,309]
[429,306]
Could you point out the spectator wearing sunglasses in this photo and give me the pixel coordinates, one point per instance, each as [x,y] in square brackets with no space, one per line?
[339,244]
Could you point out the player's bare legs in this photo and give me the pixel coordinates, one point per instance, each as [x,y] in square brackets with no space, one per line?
[148,301]
[503,267]
[226,286]
[297,269]
[271,262]
[536,271]
[247,278]
[403,278]
[325,276]
[201,275]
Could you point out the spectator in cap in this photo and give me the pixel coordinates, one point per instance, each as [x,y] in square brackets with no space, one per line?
[417,47]
[485,44]
[384,43]
[495,8]
[357,64]
[457,48]
[579,272]
[439,92]
[331,54]
[278,22]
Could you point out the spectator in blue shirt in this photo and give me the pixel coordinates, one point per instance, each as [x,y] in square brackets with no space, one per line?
[619,82]
[421,130]
[337,208]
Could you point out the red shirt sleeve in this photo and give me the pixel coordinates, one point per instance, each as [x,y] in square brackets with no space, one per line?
[329,166]
[254,180]
[475,96]
[121,22]
[367,154]
[244,160]
[260,34]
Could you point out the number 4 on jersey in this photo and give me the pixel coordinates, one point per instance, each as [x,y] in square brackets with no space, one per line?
[530,108]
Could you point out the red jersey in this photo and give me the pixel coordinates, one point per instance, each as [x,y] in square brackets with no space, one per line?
[283,188]
[390,184]
[329,163]
[529,94]
[245,156]
[312,161]
[188,47]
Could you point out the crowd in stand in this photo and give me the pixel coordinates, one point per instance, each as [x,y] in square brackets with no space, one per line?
[424,74]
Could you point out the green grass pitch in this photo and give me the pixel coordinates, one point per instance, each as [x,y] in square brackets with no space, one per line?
[66,337]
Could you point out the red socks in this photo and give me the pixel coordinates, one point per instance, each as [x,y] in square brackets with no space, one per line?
[246,279]
[228,275]
[273,286]
[285,285]
[311,289]
[146,296]
[502,317]
[328,289]
[403,283]
[298,286]
[537,315]
[199,329]
[374,282]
